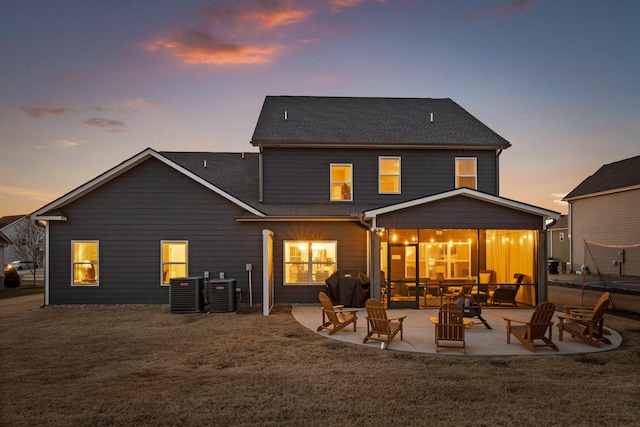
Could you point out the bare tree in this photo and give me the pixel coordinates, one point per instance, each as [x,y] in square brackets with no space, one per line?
[28,244]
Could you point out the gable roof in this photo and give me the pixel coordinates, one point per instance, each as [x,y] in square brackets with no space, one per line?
[610,178]
[50,211]
[559,224]
[466,192]
[4,240]
[346,121]
[9,219]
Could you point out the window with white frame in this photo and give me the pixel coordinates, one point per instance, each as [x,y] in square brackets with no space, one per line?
[342,182]
[466,172]
[309,262]
[174,255]
[389,175]
[84,260]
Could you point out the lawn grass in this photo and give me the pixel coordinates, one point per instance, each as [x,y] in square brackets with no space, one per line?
[142,365]
[26,288]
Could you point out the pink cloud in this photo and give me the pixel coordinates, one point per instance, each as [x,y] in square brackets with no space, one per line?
[269,14]
[245,32]
[505,10]
[200,47]
[40,112]
[107,125]
[337,5]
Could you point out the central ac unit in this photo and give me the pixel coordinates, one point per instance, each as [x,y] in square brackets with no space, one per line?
[186,295]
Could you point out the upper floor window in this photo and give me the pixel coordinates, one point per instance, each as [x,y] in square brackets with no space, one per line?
[309,262]
[341,182]
[84,259]
[389,171]
[466,172]
[174,260]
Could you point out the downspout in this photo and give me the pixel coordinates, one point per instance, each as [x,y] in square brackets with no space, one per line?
[570,232]
[498,172]
[260,180]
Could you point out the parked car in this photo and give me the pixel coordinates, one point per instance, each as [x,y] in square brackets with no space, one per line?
[20,265]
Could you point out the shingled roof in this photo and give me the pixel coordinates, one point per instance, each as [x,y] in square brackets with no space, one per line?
[234,173]
[610,177]
[330,121]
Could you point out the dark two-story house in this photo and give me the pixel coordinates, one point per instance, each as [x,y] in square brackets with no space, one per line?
[405,190]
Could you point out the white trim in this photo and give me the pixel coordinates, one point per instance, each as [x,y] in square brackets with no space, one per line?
[73,263]
[602,193]
[47,252]
[467,192]
[162,261]
[399,175]
[309,261]
[267,281]
[456,175]
[122,168]
[331,165]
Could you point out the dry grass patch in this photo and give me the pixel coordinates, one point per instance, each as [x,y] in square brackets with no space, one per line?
[142,365]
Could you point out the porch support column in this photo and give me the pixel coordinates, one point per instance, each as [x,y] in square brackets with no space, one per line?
[376,285]
[543,293]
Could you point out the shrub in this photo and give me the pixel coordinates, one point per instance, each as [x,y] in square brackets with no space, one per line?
[11,278]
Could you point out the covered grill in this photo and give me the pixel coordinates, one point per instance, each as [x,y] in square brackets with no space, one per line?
[348,287]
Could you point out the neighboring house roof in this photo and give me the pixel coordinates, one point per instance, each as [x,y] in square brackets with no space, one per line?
[559,224]
[345,121]
[4,240]
[610,178]
[6,221]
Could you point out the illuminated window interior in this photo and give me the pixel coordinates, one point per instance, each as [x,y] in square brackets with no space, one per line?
[309,263]
[433,260]
[389,168]
[85,263]
[341,182]
[174,260]
[466,172]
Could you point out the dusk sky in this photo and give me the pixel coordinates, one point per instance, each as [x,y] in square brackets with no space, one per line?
[87,84]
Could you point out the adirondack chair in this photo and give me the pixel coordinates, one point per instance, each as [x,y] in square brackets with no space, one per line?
[586,325]
[507,293]
[486,284]
[534,329]
[378,324]
[450,327]
[336,317]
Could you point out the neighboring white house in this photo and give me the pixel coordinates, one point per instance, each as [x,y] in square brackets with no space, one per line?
[4,242]
[604,209]
[558,242]
[8,227]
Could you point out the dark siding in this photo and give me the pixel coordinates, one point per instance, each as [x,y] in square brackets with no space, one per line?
[352,253]
[460,212]
[424,172]
[130,215]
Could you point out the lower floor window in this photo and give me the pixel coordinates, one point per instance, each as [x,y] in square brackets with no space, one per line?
[174,260]
[309,262]
[84,256]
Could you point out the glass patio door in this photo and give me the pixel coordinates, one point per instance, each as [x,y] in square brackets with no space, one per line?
[403,289]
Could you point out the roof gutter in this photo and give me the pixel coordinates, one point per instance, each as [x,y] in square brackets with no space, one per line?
[416,146]
[296,218]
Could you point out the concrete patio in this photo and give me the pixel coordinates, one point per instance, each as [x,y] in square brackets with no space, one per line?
[419,333]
